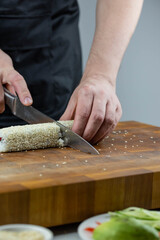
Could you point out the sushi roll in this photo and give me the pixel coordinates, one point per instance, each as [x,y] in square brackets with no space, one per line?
[32,136]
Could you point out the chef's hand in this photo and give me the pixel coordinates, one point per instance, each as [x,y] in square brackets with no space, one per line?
[13,81]
[95,109]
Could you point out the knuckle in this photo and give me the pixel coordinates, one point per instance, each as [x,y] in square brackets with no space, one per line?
[109,120]
[101,92]
[98,117]
[15,77]
[119,110]
[86,90]
[80,92]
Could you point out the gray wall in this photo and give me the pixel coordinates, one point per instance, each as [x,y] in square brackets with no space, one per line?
[138,83]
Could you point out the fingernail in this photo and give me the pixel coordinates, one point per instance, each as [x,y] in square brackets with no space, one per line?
[28,101]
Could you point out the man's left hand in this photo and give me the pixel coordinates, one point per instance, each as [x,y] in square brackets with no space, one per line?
[95,108]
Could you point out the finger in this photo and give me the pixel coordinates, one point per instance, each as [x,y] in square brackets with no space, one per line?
[17,81]
[96,118]
[83,111]
[118,113]
[2,105]
[70,110]
[11,89]
[95,141]
[108,124]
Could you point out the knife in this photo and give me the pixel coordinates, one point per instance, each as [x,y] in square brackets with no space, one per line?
[33,116]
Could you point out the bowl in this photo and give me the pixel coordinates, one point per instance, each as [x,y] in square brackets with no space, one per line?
[46,233]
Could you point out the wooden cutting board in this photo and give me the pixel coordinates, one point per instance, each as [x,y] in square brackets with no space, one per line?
[57,186]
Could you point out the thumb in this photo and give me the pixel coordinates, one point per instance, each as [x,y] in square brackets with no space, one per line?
[70,111]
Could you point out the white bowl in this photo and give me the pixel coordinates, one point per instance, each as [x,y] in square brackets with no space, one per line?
[48,235]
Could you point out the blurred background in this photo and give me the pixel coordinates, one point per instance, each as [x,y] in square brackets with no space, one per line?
[138,82]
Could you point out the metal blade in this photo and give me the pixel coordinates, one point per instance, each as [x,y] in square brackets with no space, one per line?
[75,141]
[30,114]
[33,116]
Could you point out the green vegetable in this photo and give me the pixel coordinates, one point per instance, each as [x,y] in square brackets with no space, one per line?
[139,213]
[151,218]
[122,228]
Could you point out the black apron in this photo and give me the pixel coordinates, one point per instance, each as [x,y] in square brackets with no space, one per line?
[42,38]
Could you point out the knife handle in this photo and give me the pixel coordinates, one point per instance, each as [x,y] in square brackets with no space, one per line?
[10,99]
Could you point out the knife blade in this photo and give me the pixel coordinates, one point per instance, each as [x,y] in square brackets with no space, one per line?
[33,116]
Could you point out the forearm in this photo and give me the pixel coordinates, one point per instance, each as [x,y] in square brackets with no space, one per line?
[115,23]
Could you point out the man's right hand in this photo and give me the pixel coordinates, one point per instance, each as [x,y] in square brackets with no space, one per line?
[13,81]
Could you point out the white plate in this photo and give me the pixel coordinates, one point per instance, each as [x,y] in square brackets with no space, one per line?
[91,222]
[48,235]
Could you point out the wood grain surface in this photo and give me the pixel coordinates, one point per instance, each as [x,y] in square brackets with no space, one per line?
[57,186]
